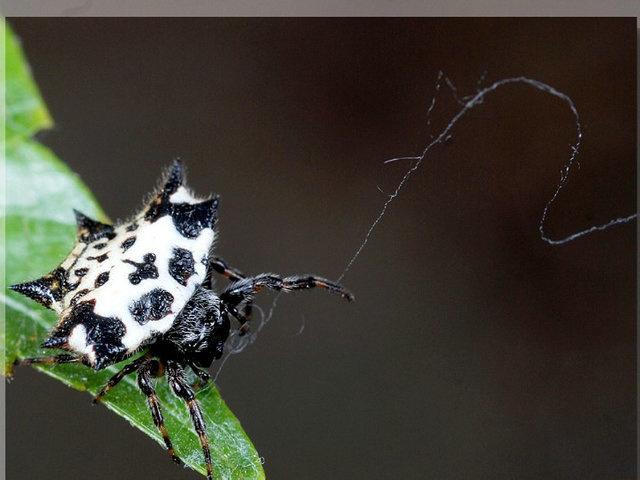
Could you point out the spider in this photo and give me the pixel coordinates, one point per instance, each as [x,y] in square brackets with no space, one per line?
[146,286]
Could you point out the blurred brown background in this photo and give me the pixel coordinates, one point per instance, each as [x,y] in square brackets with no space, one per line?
[474,350]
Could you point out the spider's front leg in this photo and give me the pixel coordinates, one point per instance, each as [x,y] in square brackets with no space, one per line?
[220,266]
[244,289]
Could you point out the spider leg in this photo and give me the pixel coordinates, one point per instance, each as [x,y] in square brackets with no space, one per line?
[244,318]
[221,267]
[245,288]
[203,376]
[113,381]
[50,360]
[182,390]
[145,372]
[241,317]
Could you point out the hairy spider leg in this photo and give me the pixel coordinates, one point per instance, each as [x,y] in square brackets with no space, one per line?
[221,267]
[245,288]
[50,360]
[113,381]
[145,373]
[184,391]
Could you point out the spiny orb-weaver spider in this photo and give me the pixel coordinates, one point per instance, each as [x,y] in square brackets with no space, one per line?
[146,285]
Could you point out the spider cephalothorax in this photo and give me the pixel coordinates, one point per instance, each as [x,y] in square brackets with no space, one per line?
[145,285]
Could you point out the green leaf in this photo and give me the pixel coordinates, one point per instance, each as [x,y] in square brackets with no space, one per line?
[40,230]
[25,110]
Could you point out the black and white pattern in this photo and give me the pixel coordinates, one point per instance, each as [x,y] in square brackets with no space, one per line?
[139,274]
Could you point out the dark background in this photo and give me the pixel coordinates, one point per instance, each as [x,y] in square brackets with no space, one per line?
[474,350]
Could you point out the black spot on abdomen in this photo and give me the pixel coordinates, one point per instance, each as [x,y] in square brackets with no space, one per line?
[181,265]
[127,243]
[81,272]
[144,270]
[100,258]
[102,279]
[151,306]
